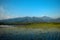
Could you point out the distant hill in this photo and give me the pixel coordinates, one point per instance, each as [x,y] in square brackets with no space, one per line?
[30,20]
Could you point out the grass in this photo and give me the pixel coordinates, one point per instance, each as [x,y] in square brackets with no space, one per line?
[42,25]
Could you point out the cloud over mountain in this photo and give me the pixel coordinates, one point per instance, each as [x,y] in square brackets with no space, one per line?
[3,13]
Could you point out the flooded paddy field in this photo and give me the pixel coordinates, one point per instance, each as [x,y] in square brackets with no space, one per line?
[17,33]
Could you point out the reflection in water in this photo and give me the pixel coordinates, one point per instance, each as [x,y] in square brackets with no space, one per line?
[28,34]
[31,36]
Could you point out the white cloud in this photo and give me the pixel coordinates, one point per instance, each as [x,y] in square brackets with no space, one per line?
[3,13]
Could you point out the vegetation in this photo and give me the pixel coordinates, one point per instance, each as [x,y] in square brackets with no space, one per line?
[35,24]
[43,25]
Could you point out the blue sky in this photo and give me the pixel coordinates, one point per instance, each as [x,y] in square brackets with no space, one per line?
[22,8]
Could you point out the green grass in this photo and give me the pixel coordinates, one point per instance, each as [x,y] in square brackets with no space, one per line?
[42,25]
[30,27]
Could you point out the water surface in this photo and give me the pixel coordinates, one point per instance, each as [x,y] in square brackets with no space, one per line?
[14,33]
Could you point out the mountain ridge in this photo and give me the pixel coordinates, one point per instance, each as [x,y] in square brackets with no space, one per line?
[30,19]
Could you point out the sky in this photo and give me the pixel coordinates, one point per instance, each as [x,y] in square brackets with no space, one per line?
[31,8]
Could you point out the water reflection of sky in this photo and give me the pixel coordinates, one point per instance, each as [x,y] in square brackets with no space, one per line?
[28,34]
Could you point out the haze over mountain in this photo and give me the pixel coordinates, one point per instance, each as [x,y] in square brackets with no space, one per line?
[30,19]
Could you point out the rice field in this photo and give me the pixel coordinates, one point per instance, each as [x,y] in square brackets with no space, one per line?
[30,32]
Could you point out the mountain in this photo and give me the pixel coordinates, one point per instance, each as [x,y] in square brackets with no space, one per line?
[56,20]
[46,19]
[23,19]
[30,19]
